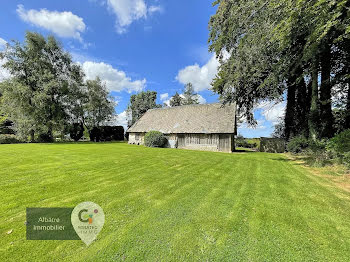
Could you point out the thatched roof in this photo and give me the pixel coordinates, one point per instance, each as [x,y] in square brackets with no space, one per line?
[205,118]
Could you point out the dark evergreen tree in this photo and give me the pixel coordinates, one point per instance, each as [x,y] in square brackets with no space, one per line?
[176,100]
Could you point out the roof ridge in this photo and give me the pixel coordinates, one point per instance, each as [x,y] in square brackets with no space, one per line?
[175,107]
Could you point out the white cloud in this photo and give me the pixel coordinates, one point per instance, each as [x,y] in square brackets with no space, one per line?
[4,73]
[166,99]
[164,96]
[128,11]
[119,120]
[2,43]
[272,111]
[200,77]
[64,24]
[122,119]
[115,80]
[155,8]
[261,124]
[201,99]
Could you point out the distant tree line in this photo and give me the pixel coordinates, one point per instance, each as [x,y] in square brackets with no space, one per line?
[293,50]
[47,95]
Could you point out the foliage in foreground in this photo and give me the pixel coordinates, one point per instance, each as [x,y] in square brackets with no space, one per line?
[155,139]
[323,151]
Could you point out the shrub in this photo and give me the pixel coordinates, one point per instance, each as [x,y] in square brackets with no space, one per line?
[297,144]
[340,144]
[45,138]
[6,127]
[155,139]
[9,139]
[76,131]
[112,133]
[317,145]
[107,133]
[346,159]
[318,153]
[95,134]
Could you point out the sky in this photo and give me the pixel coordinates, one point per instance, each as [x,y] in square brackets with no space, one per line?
[133,45]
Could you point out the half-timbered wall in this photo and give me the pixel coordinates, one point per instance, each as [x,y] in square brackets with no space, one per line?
[208,142]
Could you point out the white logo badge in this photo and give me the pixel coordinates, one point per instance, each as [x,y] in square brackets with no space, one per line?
[87,219]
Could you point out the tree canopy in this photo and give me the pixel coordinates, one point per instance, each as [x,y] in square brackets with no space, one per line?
[176,100]
[140,103]
[189,96]
[46,91]
[275,50]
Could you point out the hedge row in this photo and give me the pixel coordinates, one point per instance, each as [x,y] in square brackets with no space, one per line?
[107,133]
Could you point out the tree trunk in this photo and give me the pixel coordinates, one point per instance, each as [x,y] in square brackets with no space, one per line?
[314,108]
[327,129]
[290,109]
[302,105]
[32,136]
[347,112]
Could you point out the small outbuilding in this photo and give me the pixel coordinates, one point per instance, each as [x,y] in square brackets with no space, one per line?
[210,127]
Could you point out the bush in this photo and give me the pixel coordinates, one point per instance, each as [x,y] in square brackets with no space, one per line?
[317,154]
[317,145]
[155,139]
[6,128]
[45,138]
[107,133]
[76,131]
[95,134]
[112,133]
[297,144]
[340,144]
[346,159]
[9,139]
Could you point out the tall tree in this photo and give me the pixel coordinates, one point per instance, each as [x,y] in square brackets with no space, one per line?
[140,103]
[241,37]
[176,100]
[99,106]
[36,94]
[281,47]
[190,97]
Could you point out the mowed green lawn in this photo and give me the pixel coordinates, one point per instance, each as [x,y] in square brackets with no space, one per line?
[173,205]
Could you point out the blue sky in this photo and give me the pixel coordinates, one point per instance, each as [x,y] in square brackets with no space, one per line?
[132,45]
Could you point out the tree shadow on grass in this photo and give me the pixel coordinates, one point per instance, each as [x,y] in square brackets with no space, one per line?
[306,161]
[83,143]
[244,150]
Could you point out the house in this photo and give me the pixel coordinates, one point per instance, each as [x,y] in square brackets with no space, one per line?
[209,127]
